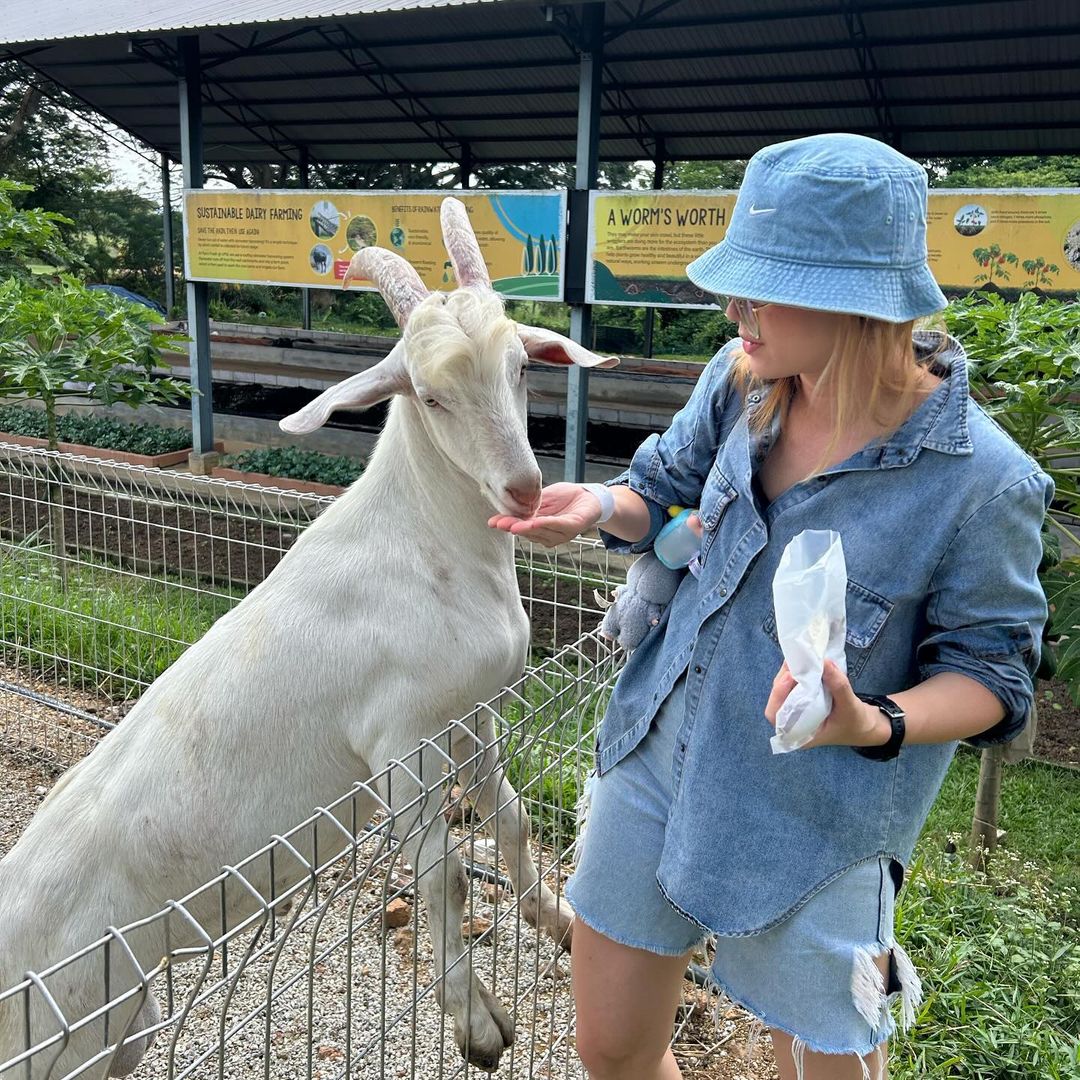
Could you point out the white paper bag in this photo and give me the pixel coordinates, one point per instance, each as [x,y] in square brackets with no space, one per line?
[809,592]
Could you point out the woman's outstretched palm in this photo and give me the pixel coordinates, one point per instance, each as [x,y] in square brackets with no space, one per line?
[564,511]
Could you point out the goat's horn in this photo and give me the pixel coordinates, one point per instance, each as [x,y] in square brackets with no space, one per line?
[395,278]
[461,245]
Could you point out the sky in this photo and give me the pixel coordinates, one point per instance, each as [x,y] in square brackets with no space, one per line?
[140,171]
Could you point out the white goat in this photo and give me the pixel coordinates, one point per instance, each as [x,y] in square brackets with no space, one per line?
[392,615]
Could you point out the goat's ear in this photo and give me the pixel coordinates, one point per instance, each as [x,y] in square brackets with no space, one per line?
[551,348]
[388,377]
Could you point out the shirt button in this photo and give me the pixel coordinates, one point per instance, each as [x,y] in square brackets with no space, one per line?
[723,592]
[698,669]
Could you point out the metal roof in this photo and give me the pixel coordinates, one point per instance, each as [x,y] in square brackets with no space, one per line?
[380,80]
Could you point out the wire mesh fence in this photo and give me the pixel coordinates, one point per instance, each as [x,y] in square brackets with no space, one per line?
[311,957]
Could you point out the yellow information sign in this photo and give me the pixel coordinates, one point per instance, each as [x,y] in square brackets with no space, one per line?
[640,242]
[306,238]
[1023,239]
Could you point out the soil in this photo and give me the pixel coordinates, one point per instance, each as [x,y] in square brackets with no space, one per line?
[214,547]
[1058,735]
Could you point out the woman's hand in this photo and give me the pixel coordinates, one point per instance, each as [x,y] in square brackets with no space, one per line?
[565,510]
[850,723]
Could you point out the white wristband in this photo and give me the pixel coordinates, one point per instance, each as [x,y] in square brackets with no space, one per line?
[607,500]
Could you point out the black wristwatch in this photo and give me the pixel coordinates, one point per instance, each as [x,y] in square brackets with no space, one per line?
[895,715]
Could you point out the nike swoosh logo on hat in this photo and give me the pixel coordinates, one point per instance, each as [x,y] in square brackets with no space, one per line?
[764,210]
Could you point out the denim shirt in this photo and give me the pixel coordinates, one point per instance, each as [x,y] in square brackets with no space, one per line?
[940,527]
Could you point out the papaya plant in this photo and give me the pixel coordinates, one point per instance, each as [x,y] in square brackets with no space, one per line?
[61,339]
[1025,372]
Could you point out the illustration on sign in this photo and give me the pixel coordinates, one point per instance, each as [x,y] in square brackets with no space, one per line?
[308,238]
[1023,240]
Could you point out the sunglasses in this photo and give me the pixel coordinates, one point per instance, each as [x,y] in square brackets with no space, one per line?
[746,313]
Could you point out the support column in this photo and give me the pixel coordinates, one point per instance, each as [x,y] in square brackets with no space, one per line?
[465,166]
[590,86]
[198,309]
[657,183]
[167,235]
[305,294]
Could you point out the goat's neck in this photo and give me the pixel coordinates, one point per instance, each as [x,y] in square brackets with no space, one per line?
[407,475]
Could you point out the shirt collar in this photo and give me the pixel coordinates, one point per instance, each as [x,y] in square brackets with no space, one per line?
[941,422]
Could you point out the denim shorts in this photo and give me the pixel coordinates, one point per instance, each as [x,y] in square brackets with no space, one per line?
[813,975]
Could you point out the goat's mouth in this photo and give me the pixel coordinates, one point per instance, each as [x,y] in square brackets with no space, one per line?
[505,504]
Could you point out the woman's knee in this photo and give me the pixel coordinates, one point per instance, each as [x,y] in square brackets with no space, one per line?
[625,1001]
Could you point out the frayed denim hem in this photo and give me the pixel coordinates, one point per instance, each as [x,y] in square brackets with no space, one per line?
[875,1042]
[594,924]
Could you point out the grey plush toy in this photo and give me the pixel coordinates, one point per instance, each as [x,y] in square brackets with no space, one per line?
[638,605]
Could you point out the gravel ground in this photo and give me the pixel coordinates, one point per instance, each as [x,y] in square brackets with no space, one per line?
[392,1033]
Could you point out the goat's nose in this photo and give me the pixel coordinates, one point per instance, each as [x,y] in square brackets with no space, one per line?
[525,492]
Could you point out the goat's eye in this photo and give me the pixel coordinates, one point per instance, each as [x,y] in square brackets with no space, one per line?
[522,373]
[431,402]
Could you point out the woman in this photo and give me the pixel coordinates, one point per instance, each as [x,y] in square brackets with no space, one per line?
[830,413]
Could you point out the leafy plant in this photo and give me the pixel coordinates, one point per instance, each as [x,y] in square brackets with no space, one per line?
[296,464]
[1025,371]
[66,340]
[96,431]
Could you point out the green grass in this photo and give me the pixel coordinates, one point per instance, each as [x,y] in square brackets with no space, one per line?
[1040,813]
[999,953]
[106,631]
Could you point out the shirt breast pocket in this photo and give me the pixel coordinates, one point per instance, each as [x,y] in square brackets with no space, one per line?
[866,615]
[718,494]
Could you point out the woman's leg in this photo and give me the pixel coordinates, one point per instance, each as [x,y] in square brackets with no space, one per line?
[827,1066]
[626,1000]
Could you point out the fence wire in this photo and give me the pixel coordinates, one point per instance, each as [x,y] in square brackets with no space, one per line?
[312,956]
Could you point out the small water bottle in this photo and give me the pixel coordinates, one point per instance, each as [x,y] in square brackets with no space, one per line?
[679,540]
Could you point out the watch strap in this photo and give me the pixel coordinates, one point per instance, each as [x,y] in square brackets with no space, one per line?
[896,717]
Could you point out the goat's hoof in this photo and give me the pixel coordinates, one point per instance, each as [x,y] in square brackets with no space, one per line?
[490,1036]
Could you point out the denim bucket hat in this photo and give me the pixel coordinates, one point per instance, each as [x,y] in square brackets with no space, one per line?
[832,222]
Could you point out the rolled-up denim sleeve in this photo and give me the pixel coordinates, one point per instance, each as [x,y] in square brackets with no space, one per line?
[670,469]
[987,608]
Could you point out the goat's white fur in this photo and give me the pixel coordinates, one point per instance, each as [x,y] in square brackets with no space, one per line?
[392,615]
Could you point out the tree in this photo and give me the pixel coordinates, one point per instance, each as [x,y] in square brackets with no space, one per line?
[44,143]
[29,239]
[999,172]
[705,175]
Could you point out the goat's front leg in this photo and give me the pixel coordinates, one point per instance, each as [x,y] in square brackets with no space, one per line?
[504,817]
[482,1027]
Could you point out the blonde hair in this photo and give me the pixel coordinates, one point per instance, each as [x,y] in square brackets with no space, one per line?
[873,370]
